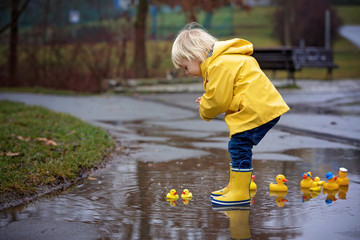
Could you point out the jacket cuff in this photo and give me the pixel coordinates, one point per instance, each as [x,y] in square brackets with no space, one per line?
[205,118]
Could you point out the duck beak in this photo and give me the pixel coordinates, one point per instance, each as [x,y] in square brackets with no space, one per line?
[183,192]
[284,180]
[335,177]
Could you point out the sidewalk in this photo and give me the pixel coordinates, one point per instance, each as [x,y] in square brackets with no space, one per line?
[352,33]
[323,107]
[328,109]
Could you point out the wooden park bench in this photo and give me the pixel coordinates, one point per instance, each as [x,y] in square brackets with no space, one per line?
[294,59]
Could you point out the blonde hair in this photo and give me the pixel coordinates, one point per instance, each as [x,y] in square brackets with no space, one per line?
[191,44]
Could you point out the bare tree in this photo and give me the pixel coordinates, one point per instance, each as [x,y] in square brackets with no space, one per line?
[16,9]
[139,64]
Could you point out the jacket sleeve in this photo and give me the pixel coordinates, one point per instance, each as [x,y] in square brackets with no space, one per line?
[218,92]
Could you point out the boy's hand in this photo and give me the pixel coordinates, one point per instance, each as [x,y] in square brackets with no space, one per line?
[198,100]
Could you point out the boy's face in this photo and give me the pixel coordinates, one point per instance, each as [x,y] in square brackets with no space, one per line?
[191,67]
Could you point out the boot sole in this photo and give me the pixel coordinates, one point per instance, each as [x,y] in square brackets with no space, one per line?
[217,203]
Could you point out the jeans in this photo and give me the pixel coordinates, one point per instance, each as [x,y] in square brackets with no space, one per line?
[241,144]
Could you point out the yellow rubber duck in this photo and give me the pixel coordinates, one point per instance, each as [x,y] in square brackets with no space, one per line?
[253,185]
[315,187]
[280,184]
[331,183]
[307,181]
[318,181]
[172,194]
[342,180]
[186,194]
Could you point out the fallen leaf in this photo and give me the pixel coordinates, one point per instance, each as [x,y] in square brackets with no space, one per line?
[92,178]
[42,139]
[47,141]
[23,139]
[10,154]
[51,142]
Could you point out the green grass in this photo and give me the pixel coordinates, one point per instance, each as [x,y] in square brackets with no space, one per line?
[36,162]
[349,14]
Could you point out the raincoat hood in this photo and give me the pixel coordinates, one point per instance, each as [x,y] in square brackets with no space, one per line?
[233,46]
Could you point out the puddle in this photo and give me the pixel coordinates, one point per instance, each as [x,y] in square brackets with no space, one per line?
[127,200]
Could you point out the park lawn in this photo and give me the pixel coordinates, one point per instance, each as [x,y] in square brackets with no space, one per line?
[41,148]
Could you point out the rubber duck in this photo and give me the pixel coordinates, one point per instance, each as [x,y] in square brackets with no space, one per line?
[331,183]
[307,181]
[279,200]
[280,184]
[253,185]
[318,181]
[342,180]
[186,194]
[172,194]
[315,187]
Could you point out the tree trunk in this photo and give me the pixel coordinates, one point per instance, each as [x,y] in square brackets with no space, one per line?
[140,63]
[13,43]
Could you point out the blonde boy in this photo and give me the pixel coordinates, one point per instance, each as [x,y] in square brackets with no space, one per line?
[235,85]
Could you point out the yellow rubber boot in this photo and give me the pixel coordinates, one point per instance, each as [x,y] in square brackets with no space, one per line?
[239,192]
[224,190]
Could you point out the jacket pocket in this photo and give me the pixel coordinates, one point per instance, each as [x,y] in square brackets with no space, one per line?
[235,103]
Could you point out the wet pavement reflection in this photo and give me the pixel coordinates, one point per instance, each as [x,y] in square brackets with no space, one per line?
[127,200]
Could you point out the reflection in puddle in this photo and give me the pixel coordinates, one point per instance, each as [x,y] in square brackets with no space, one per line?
[128,199]
[280,198]
[239,224]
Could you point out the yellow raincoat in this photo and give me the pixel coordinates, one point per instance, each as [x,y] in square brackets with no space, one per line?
[235,85]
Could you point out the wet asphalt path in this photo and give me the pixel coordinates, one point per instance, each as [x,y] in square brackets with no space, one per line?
[158,129]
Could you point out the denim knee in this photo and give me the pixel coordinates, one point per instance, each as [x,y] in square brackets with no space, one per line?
[240,150]
[241,144]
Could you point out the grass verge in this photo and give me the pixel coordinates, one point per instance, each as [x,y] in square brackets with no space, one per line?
[41,149]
